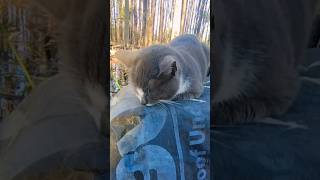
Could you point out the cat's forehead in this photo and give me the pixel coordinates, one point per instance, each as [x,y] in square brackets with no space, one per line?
[144,70]
[149,65]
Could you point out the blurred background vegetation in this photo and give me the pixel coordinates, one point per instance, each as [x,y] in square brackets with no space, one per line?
[28,50]
[28,53]
[136,24]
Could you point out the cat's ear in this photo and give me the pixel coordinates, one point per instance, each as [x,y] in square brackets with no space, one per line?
[127,57]
[167,67]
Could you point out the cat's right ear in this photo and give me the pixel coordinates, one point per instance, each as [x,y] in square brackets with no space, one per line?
[167,67]
[127,57]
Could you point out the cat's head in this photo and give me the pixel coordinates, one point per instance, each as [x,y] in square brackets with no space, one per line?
[154,73]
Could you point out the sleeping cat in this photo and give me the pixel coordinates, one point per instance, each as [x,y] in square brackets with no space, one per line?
[168,72]
[259,46]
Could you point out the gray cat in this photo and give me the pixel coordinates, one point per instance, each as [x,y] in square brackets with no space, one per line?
[259,46]
[168,72]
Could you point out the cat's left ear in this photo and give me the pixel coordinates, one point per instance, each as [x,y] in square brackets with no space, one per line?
[167,67]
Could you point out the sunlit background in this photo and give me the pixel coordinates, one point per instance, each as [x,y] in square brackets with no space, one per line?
[28,53]
[139,23]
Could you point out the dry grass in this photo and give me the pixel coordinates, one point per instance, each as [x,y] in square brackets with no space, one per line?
[118,74]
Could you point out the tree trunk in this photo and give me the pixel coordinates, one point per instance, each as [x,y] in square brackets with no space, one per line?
[201,8]
[145,15]
[152,21]
[177,15]
[126,24]
[120,26]
[171,18]
[115,34]
[161,21]
[183,14]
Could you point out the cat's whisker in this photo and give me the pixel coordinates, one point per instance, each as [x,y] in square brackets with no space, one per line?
[170,102]
[315,64]
[166,103]
[288,124]
[313,80]
[198,100]
[157,103]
